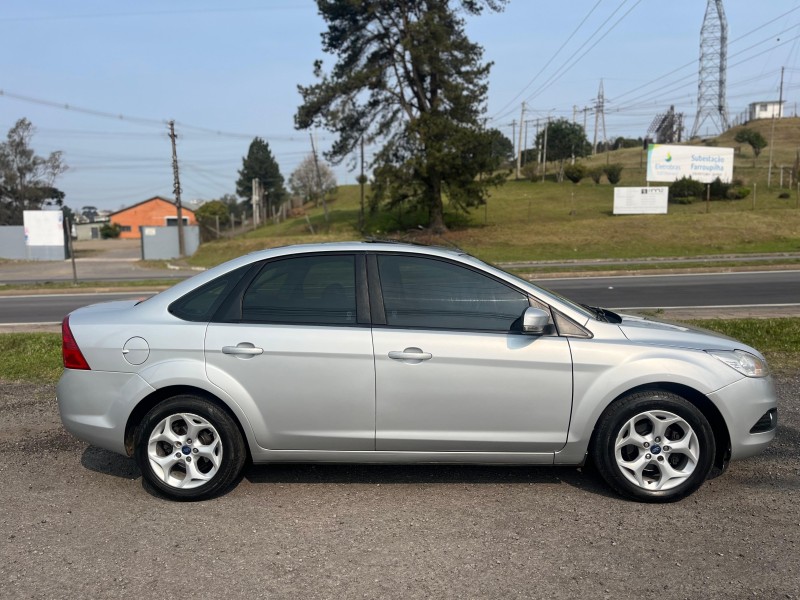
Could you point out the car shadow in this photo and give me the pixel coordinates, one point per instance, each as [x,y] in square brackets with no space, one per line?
[106,462]
[365,474]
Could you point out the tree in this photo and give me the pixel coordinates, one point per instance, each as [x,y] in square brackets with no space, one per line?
[26,179]
[212,214]
[754,138]
[407,76]
[307,184]
[502,147]
[564,140]
[260,164]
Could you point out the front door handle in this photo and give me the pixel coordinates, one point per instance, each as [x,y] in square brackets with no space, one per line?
[410,355]
[244,349]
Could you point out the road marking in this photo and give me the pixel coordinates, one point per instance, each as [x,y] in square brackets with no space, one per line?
[640,276]
[720,306]
[136,294]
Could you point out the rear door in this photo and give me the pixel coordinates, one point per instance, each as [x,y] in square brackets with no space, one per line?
[297,349]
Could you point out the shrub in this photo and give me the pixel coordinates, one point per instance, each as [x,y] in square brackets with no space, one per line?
[596,173]
[613,173]
[575,172]
[685,190]
[110,231]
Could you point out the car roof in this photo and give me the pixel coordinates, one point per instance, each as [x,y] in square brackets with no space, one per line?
[372,245]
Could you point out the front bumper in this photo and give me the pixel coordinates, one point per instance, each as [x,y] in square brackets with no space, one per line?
[95,405]
[743,404]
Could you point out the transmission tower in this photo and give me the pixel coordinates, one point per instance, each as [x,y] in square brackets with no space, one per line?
[712,84]
[600,118]
[667,127]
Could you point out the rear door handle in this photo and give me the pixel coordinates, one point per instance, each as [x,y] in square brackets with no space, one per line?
[245,349]
[410,355]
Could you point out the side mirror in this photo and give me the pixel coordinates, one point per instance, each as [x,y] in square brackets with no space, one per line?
[534,320]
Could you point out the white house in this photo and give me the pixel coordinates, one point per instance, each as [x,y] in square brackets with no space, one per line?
[766,109]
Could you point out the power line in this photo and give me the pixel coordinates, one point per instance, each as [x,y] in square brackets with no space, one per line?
[550,60]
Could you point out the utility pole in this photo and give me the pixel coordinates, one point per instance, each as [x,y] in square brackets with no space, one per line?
[176,188]
[519,144]
[361,182]
[319,177]
[255,199]
[772,134]
[513,131]
[544,158]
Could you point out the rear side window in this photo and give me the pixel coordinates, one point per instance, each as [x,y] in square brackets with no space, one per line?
[308,289]
[202,303]
[423,292]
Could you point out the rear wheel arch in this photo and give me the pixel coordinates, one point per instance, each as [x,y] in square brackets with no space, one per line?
[160,395]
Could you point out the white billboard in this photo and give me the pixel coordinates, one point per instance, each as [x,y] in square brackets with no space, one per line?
[701,163]
[640,201]
[43,227]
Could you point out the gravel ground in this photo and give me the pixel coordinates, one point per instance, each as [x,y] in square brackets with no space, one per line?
[76,522]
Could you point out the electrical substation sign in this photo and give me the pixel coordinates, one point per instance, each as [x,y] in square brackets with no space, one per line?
[640,200]
[669,163]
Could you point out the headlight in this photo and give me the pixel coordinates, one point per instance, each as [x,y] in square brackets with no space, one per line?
[747,364]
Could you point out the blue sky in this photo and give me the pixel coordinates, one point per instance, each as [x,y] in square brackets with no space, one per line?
[228,71]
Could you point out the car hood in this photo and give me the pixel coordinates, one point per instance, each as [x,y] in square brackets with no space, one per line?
[641,329]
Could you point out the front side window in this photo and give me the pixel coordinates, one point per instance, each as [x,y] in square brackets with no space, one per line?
[429,293]
[308,289]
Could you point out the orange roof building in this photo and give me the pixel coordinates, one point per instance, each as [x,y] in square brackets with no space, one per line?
[154,212]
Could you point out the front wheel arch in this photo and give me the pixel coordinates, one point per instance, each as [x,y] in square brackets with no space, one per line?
[722,437]
[632,475]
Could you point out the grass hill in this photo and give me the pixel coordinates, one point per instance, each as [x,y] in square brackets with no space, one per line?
[526,220]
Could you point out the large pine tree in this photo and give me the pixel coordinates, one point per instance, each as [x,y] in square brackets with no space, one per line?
[406,76]
[260,164]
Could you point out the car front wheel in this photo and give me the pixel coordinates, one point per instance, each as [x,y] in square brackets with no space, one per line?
[653,446]
[189,449]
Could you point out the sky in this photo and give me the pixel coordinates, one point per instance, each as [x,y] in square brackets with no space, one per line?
[99,79]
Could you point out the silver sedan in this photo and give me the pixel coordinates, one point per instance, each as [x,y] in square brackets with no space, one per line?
[393,353]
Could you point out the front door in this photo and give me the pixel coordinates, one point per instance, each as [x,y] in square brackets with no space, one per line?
[453,375]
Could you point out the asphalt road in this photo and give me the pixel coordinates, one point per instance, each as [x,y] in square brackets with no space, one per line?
[772,288]
[76,522]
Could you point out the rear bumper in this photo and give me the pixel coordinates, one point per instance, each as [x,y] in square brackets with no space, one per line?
[743,404]
[95,405]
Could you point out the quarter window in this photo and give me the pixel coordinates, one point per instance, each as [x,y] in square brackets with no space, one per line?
[309,289]
[422,292]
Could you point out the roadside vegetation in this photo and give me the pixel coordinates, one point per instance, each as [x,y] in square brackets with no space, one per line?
[37,356]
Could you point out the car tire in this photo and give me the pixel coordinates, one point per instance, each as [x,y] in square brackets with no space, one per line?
[653,446]
[189,449]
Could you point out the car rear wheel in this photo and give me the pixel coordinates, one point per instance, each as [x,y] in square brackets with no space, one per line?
[189,449]
[654,447]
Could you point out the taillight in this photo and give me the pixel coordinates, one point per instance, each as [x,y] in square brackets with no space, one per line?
[73,357]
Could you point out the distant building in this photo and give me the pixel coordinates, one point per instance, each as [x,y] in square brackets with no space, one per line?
[155,212]
[765,110]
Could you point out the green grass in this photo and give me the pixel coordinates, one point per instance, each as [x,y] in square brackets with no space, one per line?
[525,220]
[777,339]
[30,357]
[149,284]
[37,356]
